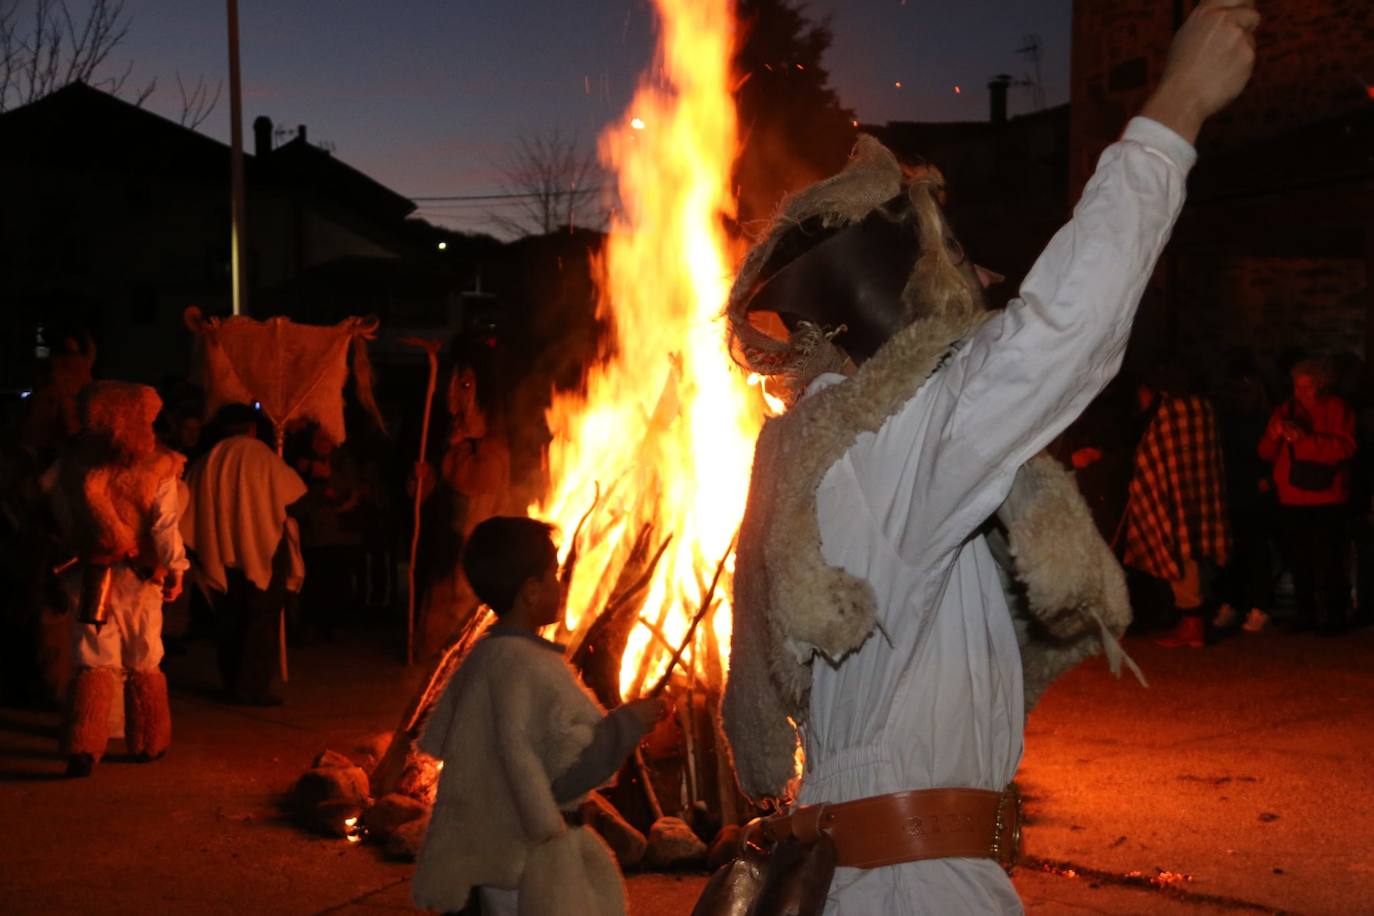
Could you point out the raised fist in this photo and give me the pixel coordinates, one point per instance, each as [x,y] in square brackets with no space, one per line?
[1209,64]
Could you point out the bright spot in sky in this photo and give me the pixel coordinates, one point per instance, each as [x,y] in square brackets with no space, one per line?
[898,84]
[443,245]
[957,90]
[637,123]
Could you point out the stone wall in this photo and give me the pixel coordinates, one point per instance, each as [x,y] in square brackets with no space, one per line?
[1316,61]
[1270,306]
[1274,249]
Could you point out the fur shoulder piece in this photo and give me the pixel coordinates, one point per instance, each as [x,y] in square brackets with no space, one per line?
[1068,595]
[788,602]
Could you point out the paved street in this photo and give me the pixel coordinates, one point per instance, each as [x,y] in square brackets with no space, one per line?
[1239,781]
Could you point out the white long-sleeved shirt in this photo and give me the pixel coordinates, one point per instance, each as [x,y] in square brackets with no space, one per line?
[940,704]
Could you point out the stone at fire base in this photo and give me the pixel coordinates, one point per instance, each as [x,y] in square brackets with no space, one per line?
[673,844]
[391,813]
[724,847]
[625,841]
[405,841]
[330,793]
[331,759]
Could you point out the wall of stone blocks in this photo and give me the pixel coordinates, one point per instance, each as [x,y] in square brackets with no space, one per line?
[1268,306]
[1316,61]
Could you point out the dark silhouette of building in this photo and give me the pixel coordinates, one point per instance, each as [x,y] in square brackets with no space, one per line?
[116,219]
[1007,180]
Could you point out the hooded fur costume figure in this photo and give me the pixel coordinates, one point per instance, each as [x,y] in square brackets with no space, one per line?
[118,498]
[1065,587]
[512,719]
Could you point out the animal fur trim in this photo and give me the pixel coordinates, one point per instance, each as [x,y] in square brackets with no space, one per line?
[1067,590]
[788,602]
[574,874]
[86,717]
[872,177]
[147,714]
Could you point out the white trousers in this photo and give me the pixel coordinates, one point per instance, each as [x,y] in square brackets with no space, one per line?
[131,638]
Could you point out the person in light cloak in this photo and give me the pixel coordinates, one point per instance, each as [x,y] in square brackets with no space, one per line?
[872,624]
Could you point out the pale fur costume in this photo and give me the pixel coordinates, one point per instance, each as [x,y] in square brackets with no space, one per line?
[1066,589]
[512,719]
[111,473]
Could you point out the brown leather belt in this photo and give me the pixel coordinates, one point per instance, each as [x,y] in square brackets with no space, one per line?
[910,826]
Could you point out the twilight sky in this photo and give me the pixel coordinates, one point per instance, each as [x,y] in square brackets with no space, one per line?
[425,95]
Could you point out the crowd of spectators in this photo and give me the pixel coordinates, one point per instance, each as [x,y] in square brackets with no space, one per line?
[290,536]
[1224,500]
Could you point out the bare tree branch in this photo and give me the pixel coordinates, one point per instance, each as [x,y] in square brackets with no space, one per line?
[197,104]
[552,183]
[9,50]
[62,47]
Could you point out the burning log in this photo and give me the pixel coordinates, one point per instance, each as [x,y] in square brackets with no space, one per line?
[598,657]
[706,607]
[404,767]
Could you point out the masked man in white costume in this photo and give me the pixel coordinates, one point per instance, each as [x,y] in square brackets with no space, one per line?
[900,500]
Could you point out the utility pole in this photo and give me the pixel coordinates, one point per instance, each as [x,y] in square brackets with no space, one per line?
[237,248]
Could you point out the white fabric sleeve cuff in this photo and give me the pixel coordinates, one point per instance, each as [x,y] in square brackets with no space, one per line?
[1154,136]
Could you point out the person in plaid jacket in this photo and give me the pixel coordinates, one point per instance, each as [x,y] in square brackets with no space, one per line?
[1176,519]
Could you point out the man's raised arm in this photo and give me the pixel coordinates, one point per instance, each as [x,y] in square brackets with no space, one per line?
[1032,370]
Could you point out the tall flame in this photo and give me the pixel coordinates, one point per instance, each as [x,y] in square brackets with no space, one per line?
[667,426]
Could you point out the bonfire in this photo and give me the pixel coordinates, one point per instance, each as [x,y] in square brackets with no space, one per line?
[649,465]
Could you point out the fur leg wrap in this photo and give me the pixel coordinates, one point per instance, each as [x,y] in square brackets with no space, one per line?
[147,716]
[86,719]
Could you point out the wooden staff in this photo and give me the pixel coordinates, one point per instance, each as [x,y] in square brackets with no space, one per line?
[431,348]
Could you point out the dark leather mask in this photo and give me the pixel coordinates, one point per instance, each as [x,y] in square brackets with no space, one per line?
[852,277]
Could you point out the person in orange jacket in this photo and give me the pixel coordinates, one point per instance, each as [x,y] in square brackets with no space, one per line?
[1310,440]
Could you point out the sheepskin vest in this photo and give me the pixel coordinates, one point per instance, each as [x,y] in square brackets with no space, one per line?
[1067,590]
[512,719]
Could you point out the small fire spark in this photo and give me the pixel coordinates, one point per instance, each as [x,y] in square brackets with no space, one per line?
[898,84]
[957,90]
[637,123]
[354,835]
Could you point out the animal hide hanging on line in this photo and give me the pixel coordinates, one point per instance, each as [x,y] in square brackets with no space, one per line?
[295,371]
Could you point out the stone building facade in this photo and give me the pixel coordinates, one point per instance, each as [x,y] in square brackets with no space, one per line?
[1275,250]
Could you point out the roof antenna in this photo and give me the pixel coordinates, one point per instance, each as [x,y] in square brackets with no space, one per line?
[1031,50]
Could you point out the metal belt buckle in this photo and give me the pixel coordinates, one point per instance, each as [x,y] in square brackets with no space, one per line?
[1008,807]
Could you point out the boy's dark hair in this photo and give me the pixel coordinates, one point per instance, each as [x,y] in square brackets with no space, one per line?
[505,552]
